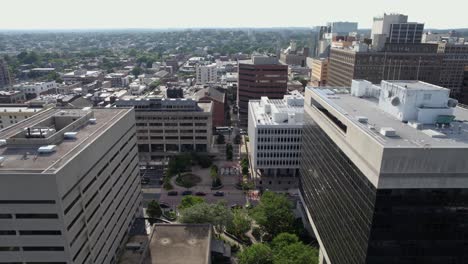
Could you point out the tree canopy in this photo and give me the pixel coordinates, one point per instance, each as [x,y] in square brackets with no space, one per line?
[274,214]
[216,214]
[154,210]
[256,254]
[284,249]
[240,224]
[189,201]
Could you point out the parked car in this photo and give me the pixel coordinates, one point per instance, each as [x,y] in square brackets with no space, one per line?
[186,193]
[145,180]
[218,193]
[200,194]
[172,193]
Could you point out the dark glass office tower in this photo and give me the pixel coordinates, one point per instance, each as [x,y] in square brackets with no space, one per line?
[399,214]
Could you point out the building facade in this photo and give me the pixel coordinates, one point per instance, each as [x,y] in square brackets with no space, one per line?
[398,62]
[319,72]
[220,107]
[275,130]
[206,73]
[259,76]
[33,90]
[384,175]
[167,127]
[454,62]
[5,78]
[69,186]
[12,97]
[11,114]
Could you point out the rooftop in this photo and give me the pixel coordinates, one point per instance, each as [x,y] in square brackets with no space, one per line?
[354,109]
[19,151]
[180,244]
[286,111]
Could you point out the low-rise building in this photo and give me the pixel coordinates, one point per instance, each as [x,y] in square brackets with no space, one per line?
[117,79]
[11,114]
[33,90]
[12,97]
[275,139]
[206,73]
[83,76]
[319,73]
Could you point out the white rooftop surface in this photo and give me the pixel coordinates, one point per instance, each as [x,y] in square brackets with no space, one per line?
[416,85]
[19,109]
[406,136]
[277,105]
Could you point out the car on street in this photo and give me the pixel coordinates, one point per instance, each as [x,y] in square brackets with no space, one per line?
[200,194]
[145,180]
[218,193]
[186,193]
[172,193]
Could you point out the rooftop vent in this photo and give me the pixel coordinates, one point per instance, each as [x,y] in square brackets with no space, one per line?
[415,124]
[70,135]
[362,119]
[47,149]
[2,160]
[3,142]
[92,121]
[434,134]
[388,132]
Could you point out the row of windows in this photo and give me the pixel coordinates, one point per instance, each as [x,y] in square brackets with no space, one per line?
[285,131]
[31,232]
[279,147]
[279,139]
[171,124]
[173,138]
[32,249]
[278,154]
[172,131]
[277,162]
[174,118]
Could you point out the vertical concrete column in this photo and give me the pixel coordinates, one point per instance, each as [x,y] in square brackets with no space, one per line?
[322,259]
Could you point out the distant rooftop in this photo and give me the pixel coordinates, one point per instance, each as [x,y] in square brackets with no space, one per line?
[180,244]
[20,143]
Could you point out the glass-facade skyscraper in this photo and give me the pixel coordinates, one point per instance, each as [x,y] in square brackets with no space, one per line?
[383,198]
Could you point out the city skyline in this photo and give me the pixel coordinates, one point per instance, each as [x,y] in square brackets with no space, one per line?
[52,14]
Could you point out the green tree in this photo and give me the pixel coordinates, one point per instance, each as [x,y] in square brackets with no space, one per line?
[220,139]
[289,250]
[189,201]
[256,254]
[154,84]
[229,152]
[216,214]
[154,210]
[178,164]
[274,214]
[241,223]
[137,71]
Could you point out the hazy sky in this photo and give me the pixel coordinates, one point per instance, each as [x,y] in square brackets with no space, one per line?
[63,14]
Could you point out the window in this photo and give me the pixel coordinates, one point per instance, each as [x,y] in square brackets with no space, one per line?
[36,216]
[7,232]
[427,97]
[5,216]
[9,248]
[43,248]
[40,232]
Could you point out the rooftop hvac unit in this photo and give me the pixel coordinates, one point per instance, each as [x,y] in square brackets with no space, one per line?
[395,101]
[388,132]
[47,149]
[362,119]
[92,121]
[2,160]
[452,103]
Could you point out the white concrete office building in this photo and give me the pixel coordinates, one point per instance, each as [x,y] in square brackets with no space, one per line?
[10,115]
[167,127]
[275,130]
[69,186]
[206,73]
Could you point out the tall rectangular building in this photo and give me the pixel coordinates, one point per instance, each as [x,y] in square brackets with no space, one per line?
[384,173]
[275,129]
[398,62]
[260,76]
[69,186]
[455,59]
